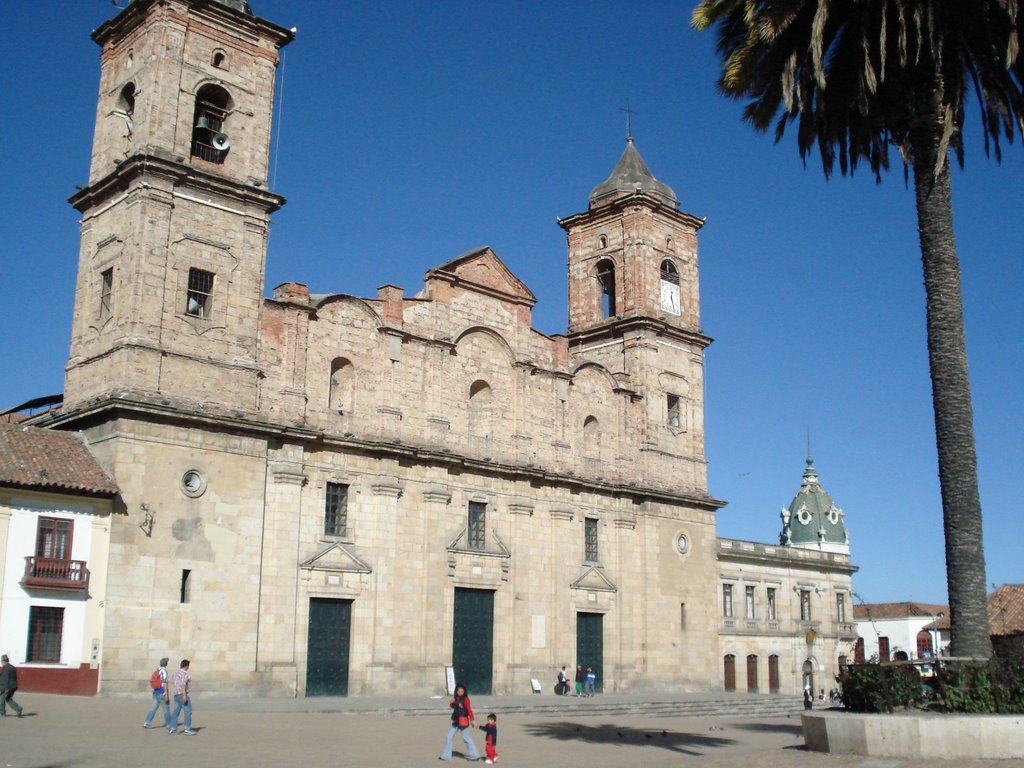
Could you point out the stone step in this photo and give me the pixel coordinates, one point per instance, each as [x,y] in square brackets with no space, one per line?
[775,706]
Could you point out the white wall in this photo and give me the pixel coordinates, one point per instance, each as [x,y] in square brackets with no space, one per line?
[15,601]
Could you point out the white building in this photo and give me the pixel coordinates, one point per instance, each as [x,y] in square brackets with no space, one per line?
[55,508]
[887,629]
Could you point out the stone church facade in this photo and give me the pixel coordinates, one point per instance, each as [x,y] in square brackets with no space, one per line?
[325,494]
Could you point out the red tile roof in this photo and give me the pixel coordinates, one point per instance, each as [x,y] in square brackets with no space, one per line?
[1006,610]
[48,460]
[879,611]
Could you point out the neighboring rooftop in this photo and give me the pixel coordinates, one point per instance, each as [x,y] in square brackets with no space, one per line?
[47,460]
[1006,610]
[906,610]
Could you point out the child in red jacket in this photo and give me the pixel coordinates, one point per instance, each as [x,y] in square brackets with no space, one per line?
[491,746]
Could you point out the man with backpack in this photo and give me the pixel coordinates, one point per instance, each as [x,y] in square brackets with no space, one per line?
[158,685]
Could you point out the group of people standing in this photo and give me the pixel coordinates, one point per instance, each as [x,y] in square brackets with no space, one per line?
[162,691]
[584,682]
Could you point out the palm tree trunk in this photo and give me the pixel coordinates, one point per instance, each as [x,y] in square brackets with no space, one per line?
[951,400]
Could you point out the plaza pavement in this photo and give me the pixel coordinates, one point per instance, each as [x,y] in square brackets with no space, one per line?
[73,732]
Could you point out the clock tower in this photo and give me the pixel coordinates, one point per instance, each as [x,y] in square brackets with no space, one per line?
[634,303]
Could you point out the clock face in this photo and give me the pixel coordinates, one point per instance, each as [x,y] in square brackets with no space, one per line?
[670,297]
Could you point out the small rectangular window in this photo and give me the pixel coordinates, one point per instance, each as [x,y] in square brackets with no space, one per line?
[674,417]
[590,552]
[727,600]
[106,292]
[477,530]
[772,616]
[682,616]
[336,510]
[199,300]
[45,629]
[186,586]
[805,605]
[750,603]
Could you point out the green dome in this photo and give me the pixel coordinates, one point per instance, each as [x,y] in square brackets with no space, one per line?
[813,521]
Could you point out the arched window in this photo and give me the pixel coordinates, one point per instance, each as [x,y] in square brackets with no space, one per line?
[342,385]
[220,59]
[924,644]
[606,279]
[591,432]
[480,395]
[126,99]
[602,242]
[858,651]
[729,672]
[209,140]
[669,287]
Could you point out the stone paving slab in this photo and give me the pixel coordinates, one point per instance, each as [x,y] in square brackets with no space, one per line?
[66,732]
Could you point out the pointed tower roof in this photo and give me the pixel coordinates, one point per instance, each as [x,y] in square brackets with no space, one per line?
[812,520]
[630,175]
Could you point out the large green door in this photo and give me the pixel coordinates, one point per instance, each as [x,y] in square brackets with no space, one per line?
[590,644]
[473,639]
[327,648]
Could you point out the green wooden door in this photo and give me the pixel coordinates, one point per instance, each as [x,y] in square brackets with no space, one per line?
[327,647]
[590,644]
[473,639]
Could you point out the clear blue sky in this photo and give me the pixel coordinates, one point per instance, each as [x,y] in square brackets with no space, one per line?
[411,132]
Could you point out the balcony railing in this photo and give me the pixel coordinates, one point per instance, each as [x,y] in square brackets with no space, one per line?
[53,573]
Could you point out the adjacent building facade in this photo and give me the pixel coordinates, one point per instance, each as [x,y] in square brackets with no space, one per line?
[56,504]
[325,494]
[786,616]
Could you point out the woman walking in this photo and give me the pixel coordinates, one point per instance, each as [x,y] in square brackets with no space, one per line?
[462,722]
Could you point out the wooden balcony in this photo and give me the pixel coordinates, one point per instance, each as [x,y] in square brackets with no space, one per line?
[51,573]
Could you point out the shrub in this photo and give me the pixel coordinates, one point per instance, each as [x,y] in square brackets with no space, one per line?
[876,688]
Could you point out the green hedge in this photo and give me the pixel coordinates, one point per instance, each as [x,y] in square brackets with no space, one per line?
[993,687]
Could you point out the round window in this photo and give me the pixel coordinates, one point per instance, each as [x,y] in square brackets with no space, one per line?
[192,483]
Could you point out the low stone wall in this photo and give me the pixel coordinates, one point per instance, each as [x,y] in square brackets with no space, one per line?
[915,734]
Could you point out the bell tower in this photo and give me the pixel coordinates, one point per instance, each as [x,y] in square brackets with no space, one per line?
[634,303]
[175,215]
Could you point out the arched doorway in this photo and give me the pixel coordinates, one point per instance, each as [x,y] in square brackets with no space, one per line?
[808,675]
[730,672]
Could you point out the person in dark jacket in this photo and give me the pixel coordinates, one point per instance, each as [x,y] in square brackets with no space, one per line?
[8,685]
[462,721]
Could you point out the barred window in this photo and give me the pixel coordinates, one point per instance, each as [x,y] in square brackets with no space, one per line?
[199,300]
[727,601]
[477,528]
[805,605]
[590,539]
[336,510]
[750,603]
[45,628]
[841,608]
[772,615]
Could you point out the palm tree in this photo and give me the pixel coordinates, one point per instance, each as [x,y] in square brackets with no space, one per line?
[856,76]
